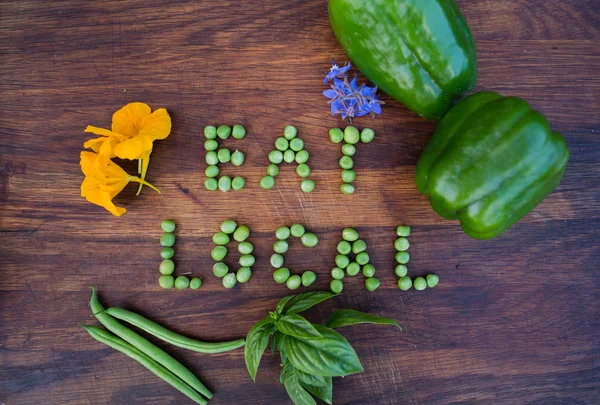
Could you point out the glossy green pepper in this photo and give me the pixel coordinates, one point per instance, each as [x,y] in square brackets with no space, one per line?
[490,162]
[420,52]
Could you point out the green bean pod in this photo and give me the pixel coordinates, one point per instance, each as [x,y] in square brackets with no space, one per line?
[153,351]
[157,369]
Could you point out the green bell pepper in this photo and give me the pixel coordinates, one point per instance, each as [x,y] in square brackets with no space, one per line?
[420,52]
[490,162]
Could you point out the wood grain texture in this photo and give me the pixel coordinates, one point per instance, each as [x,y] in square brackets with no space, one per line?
[514,320]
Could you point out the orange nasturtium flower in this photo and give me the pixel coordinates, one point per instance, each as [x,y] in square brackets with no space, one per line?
[104,179]
[134,128]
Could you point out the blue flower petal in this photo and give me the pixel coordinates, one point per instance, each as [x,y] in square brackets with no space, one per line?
[376,108]
[368,91]
[330,93]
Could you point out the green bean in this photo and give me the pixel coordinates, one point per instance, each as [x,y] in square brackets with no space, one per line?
[243,274]
[308,277]
[247,261]
[303,170]
[353,269]
[346,163]
[224,155]
[166,267]
[432,280]
[337,273]
[420,284]
[368,270]
[267,182]
[237,158]
[307,185]
[372,283]
[359,246]
[276,260]
[280,246]
[195,283]
[401,244]
[405,283]
[218,253]
[230,280]
[362,258]
[344,247]
[211,145]
[351,135]
[401,270]
[272,170]
[145,346]
[167,239]
[276,157]
[224,131]
[367,135]
[289,156]
[167,225]
[290,132]
[336,286]
[403,230]
[241,233]
[210,132]
[156,368]
[349,234]
[342,261]
[348,150]
[211,184]
[166,282]
[294,281]
[296,144]
[182,282]
[211,171]
[167,252]
[220,238]
[282,144]
[348,176]
[228,227]
[282,233]
[347,188]
[302,157]
[238,132]
[245,248]
[212,158]
[225,183]
[309,239]
[402,257]
[281,275]
[336,135]
[297,230]
[238,183]
[220,269]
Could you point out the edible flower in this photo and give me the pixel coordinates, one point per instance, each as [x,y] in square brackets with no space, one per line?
[336,71]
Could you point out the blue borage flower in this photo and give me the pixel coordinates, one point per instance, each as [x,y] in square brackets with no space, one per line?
[349,99]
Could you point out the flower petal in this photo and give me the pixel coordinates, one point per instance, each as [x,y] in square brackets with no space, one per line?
[376,108]
[330,93]
[157,125]
[134,148]
[129,119]
[93,193]
[101,131]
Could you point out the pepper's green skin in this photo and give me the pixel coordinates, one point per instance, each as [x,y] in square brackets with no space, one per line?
[490,162]
[419,52]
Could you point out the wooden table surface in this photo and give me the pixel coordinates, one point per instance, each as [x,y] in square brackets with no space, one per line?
[514,320]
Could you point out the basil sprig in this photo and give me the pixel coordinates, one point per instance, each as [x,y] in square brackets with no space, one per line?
[311,354]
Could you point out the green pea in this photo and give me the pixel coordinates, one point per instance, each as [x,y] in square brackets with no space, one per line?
[353,269]
[281,275]
[336,286]
[212,158]
[267,182]
[166,267]
[307,185]
[351,135]
[243,274]
[347,188]
[405,283]
[367,135]
[182,282]
[368,270]
[238,183]
[211,171]
[238,132]
[211,184]
[293,282]
[220,238]
[225,183]
[224,131]
[241,233]
[167,252]
[372,284]
[401,270]
[166,282]
[296,144]
[344,247]
[349,234]
[195,283]
[432,280]
[359,246]
[276,260]
[336,135]
[290,132]
[348,176]
[289,156]
[282,233]
[403,230]
[276,157]
[401,244]
[229,281]
[210,132]
[237,158]
[247,260]
[245,248]
[348,150]
[224,155]
[346,162]
[218,253]
[337,273]
[280,246]
[420,284]
[282,144]
[303,170]
[272,170]
[342,261]
[167,225]
[302,157]
[220,269]
[167,239]
[402,257]
[309,239]
[362,258]
[308,277]
[211,144]
[297,230]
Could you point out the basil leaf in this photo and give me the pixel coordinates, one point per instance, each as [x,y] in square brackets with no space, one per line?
[310,379]
[295,325]
[282,303]
[325,393]
[347,317]
[256,343]
[297,393]
[330,355]
[302,302]
[287,371]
